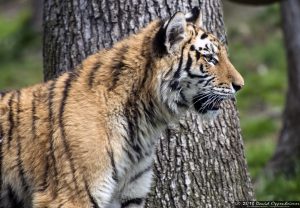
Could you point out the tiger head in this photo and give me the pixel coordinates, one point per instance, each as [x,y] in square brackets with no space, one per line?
[197,73]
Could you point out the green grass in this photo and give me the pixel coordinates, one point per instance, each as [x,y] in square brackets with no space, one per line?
[278,188]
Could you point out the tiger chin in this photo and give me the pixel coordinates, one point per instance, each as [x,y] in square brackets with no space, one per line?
[87,139]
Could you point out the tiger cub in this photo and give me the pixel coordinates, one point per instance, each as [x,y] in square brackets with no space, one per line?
[87,139]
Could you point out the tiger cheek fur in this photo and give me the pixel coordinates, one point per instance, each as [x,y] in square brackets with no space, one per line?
[87,139]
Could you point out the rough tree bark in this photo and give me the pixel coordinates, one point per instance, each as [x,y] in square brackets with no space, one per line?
[192,169]
[287,154]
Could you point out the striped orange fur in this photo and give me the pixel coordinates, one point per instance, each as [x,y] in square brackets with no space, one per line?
[87,138]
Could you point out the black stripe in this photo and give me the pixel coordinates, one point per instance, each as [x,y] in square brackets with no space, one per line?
[174,85]
[202,68]
[117,66]
[45,184]
[148,65]
[149,113]
[137,201]
[1,156]
[200,81]
[129,154]
[188,69]
[10,119]
[93,73]
[208,81]
[147,75]
[169,71]
[212,48]
[91,198]
[126,139]
[188,64]
[161,89]
[3,93]
[197,76]
[14,201]
[132,121]
[67,148]
[51,140]
[138,175]
[183,97]
[181,104]
[177,73]
[206,47]
[113,164]
[33,111]
[128,130]
[198,55]
[19,157]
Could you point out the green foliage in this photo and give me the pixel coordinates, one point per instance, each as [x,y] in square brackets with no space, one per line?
[258,152]
[263,66]
[260,57]
[25,72]
[20,64]
[257,127]
[16,35]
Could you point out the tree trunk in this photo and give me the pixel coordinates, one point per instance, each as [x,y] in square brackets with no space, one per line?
[287,154]
[192,169]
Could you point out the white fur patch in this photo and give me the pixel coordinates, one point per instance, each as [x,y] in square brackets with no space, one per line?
[103,190]
[202,43]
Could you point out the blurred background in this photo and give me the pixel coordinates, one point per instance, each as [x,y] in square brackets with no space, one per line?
[256,48]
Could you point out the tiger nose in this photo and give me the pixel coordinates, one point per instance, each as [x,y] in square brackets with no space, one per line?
[237,81]
[237,87]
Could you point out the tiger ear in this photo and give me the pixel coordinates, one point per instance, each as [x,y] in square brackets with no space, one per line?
[195,16]
[175,32]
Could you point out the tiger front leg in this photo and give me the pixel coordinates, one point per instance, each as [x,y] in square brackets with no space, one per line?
[137,189]
[96,194]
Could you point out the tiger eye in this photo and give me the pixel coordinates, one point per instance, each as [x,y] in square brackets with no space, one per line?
[203,36]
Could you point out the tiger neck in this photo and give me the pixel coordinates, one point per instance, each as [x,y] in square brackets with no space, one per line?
[129,76]
[145,113]
[144,121]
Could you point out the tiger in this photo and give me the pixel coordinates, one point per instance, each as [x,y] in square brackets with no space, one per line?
[87,138]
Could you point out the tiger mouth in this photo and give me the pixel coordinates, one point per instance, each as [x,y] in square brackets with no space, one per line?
[202,105]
